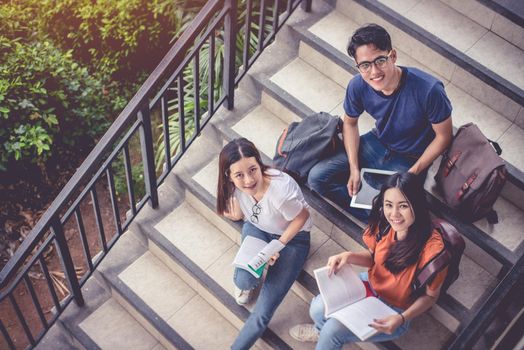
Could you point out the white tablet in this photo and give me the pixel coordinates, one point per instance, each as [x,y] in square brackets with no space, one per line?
[371,181]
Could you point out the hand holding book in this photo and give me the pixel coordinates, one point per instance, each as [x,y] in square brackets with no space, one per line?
[345,298]
[263,256]
[254,253]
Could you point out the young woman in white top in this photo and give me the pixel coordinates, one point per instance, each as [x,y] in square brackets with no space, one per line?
[272,206]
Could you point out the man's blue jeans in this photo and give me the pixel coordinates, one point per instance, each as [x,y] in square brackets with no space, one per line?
[330,176]
[333,334]
[279,279]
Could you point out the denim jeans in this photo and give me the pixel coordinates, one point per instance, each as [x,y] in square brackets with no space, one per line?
[330,176]
[333,334]
[279,279]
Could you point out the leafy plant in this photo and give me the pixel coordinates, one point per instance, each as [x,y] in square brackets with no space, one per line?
[189,78]
[47,97]
[121,38]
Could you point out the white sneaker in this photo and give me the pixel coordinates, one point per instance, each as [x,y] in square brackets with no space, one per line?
[304,332]
[243,297]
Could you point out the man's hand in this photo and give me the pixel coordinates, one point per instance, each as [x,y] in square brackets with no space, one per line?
[388,324]
[336,262]
[354,182]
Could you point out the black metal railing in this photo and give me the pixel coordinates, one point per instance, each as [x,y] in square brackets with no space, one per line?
[172,107]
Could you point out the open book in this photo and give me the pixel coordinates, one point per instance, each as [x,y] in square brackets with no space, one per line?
[344,296]
[254,254]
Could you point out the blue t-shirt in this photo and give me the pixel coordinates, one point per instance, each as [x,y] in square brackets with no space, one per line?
[403,119]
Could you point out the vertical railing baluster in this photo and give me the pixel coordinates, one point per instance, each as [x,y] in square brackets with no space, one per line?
[98,218]
[211,83]
[36,302]
[21,318]
[230,46]
[289,7]
[129,179]
[7,338]
[196,79]
[247,35]
[148,156]
[114,202]
[306,5]
[261,23]
[181,114]
[275,16]
[83,238]
[66,261]
[164,109]
[45,270]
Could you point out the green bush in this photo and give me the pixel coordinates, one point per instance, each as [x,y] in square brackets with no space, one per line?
[45,97]
[67,67]
[121,38]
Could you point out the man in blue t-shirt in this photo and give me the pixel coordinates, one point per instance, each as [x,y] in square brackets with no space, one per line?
[412,120]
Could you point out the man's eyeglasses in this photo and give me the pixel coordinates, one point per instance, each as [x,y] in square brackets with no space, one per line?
[379,62]
[256,210]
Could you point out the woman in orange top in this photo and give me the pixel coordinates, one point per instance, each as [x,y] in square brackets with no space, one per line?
[400,240]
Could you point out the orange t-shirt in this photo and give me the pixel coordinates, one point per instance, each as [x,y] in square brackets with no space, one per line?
[396,289]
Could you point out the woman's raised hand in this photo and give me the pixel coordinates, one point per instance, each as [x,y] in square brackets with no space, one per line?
[335,262]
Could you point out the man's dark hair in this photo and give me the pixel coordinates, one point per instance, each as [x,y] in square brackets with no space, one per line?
[369,34]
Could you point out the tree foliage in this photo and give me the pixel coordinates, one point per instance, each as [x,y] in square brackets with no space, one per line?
[67,67]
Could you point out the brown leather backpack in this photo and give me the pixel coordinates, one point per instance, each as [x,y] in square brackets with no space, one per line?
[471,174]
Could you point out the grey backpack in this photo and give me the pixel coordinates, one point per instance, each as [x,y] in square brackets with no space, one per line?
[302,144]
[471,174]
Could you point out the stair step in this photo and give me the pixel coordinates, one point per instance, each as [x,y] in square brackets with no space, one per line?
[57,338]
[112,327]
[178,304]
[308,85]
[504,96]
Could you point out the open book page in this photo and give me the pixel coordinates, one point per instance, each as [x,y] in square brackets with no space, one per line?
[248,249]
[265,254]
[357,316]
[340,289]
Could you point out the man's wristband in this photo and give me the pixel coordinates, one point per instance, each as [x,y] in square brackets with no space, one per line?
[403,319]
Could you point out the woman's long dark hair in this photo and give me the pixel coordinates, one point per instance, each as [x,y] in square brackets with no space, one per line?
[232,153]
[406,252]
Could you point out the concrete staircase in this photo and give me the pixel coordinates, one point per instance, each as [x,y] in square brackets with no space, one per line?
[167,284]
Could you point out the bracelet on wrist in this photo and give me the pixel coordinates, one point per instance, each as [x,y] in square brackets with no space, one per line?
[403,319]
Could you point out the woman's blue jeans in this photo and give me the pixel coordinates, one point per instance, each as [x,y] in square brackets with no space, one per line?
[279,279]
[330,176]
[333,334]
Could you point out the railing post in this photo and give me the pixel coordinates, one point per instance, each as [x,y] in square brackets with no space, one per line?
[67,261]
[148,156]
[306,5]
[230,33]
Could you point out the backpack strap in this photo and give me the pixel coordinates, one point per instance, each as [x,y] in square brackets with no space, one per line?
[437,264]
[495,146]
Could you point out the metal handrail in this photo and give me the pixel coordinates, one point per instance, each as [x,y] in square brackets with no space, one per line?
[135,118]
[90,164]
